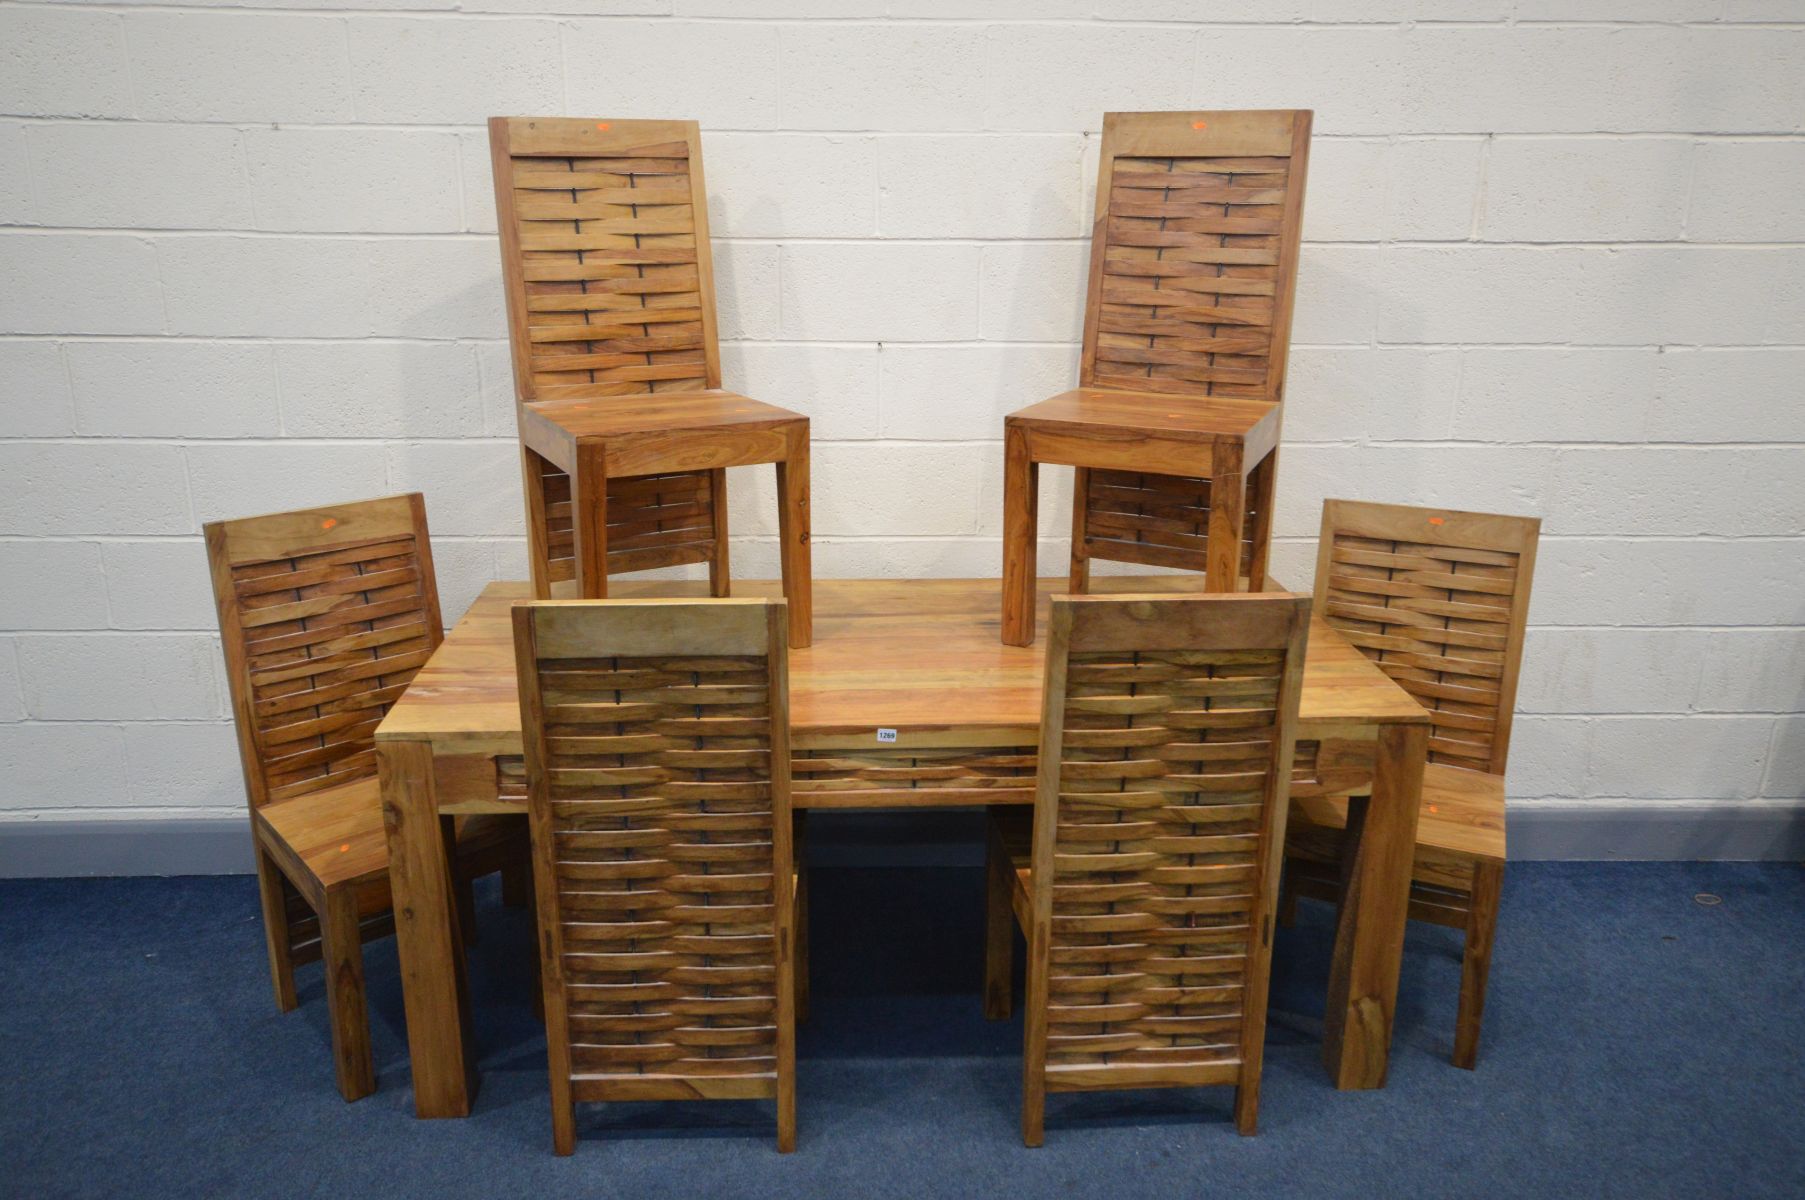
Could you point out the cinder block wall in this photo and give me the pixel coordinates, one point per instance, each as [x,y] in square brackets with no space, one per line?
[1556,265]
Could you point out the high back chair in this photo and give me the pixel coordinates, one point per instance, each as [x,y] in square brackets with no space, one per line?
[625,431]
[658,771]
[1146,883]
[1174,426]
[1439,600]
[325,616]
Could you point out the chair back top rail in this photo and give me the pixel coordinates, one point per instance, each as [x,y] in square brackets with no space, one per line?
[605,256]
[1166,749]
[1439,600]
[1194,252]
[657,760]
[325,616]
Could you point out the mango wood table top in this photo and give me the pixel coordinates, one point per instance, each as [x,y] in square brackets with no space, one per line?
[920,656]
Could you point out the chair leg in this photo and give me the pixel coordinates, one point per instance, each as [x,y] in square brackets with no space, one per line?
[1476,963]
[1228,512]
[720,579]
[564,1124]
[1021,496]
[589,519]
[272,890]
[1261,493]
[1081,511]
[1247,1107]
[794,552]
[342,954]
[999,929]
[538,549]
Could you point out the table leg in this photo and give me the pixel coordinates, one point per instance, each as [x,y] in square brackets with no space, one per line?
[1369,935]
[435,991]
[794,539]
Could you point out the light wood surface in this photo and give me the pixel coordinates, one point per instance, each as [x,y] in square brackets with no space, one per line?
[1151,874]
[1439,600]
[625,429]
[1187,327]
[325,616]
[657,767]
[917,656]
[919,659]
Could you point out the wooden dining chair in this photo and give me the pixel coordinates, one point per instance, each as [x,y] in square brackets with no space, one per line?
[626,434]
[658,771]
[1174,427]
[1439,600]
[1146,880]
[325,616]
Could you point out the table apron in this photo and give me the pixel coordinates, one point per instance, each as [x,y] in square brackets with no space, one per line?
[1337,761]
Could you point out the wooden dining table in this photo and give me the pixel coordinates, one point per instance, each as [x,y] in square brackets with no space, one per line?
[906,699]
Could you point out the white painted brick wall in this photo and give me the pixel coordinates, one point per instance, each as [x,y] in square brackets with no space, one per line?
[1555,265]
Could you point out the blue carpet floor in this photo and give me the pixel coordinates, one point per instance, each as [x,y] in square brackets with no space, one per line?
[1637,1043]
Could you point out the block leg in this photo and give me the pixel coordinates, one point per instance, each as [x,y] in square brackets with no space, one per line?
[1081,511]
[434,987]
[1261,494]
[1228,514]
[589,518]
[720,579]
[1476,962]
[1021,498]
[538,543]
[1369,935]
[342,953]
[272,891]
[793,536]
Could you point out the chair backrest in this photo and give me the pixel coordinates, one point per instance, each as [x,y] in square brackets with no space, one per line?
[326,615]
[1439,599]
[1194,252]
[658,775]
[1167,731]
[605,256]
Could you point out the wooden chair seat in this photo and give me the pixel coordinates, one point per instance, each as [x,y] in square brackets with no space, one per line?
[660,432]
[1461,816]
[336,836]
[1096,413]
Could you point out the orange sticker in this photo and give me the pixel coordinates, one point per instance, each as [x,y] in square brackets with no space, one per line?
[345,849]
[1437,520]
[602,125]
[329,522]
[1200,124]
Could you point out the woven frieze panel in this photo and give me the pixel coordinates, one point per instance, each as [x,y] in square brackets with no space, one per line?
[658,774]
[653,521]
[330,639]
[1437,618]
[612,275]
[1191,275]
[1156,520]
[1166,762]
